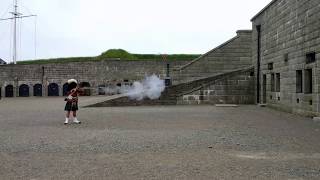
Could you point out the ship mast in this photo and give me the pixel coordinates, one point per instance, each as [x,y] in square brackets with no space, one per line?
[15,16]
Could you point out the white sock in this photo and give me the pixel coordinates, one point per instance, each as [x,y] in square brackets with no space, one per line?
[67,121]
[75,120]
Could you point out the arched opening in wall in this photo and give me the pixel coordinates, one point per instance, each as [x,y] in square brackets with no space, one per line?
[9,91]
[37,90]
[53,89]
[101,89]
[65,89]
[23,90]
[118,87]
[126,82]
[86,88]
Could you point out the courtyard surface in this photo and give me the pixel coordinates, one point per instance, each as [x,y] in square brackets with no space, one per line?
[160,142]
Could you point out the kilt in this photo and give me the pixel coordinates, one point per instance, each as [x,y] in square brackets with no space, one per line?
[71,106]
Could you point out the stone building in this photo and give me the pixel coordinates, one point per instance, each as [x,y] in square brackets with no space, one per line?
[285,53]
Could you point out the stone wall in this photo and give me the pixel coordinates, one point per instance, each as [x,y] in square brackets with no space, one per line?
[94,72]
[231,88]
[234,87]
[289,30]
[231,55]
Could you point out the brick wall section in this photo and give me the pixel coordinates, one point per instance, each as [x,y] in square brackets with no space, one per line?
[94,72]
[292,28]
[231,55]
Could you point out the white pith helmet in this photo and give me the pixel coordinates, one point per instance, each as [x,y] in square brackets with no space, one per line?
[72,80]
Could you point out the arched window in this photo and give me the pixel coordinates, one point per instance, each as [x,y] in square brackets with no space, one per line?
[65,89]
[37,90]
[9,91]
[24,90]
[53,89]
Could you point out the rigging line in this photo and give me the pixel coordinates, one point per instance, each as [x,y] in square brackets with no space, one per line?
[35,37]
[18,17]
[11,35]
[20,38]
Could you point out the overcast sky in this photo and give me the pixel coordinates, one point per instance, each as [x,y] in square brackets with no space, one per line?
[68,28]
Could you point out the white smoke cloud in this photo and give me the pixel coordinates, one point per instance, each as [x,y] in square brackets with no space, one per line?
[151,87]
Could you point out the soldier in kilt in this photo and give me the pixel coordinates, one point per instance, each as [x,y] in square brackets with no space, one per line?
[72,101]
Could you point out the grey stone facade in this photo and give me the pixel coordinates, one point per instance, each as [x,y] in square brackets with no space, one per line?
[230,88]
[233,54]
[96,73]
[234,87]
[289,35]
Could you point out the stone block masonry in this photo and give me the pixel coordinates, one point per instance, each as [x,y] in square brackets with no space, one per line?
[95,73]
[289,38]
[233,54]
[235,88]
[50,79]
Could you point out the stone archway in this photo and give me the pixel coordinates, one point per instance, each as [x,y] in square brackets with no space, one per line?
[53,89]
[86,86]
[65,89]
[9,91]
[24,90]
[102,89]
[37,90]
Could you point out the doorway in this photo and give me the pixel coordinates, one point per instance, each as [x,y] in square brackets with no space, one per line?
[24,90]
[37,90]
[264,89]
[53,89]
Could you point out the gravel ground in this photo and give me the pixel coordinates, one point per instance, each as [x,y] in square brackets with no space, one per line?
[161,142]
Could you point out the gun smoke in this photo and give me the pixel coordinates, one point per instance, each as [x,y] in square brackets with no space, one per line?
[151,87]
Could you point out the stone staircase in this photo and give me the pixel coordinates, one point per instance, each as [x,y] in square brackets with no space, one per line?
[171,94]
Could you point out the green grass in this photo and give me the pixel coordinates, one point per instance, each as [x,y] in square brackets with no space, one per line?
[59,60]
[118,54]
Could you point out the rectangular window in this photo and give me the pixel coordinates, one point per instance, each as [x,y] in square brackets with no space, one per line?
[308,81]
[272,82]
[278,82]
[270,66]
[310,57]
[299,81]
[286,57]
